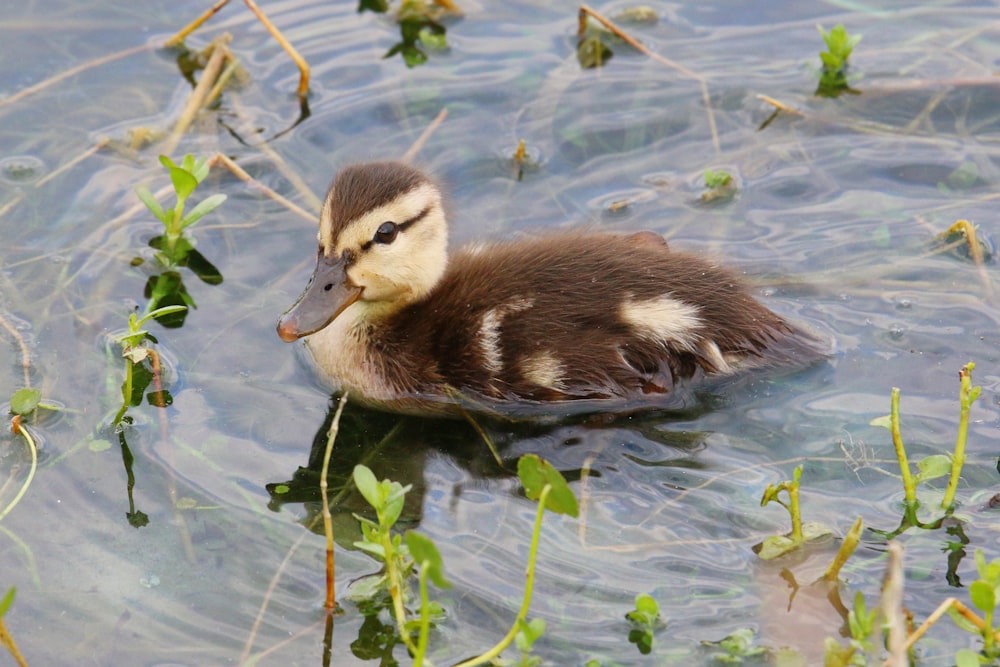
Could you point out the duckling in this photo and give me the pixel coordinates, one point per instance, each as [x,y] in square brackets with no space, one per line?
[577,316]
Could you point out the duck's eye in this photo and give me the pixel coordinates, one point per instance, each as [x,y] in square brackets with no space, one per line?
[386,232]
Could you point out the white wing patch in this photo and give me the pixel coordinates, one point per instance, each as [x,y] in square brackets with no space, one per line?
[489,332]
[544,370]
[664,319]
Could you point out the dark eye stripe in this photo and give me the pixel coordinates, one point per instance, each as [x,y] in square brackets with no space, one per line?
[400,227]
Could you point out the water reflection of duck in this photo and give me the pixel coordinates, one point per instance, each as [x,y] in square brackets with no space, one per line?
[576,315]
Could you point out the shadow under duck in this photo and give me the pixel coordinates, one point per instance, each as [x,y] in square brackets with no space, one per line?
[598,318]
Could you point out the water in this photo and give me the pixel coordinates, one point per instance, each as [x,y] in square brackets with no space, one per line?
[833,219]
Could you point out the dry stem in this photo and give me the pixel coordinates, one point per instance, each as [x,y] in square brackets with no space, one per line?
[275,33]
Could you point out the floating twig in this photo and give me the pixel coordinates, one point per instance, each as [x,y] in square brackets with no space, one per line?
[200,93]
[275,33]
[194,25]
[424,136]
[241,174]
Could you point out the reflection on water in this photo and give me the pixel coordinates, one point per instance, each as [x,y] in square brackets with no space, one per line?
[836,215]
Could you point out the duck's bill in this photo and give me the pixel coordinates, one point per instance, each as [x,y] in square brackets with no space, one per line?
[328,293]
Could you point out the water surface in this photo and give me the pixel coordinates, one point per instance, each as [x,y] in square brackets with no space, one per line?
[833,219]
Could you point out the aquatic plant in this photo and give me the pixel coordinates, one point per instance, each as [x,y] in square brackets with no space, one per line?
[645,620]
[300,62]
[24,402]
[401,554]
[778,545]
[936,465]
[719,185]
[833,74]
[420,27]
[984,593]
[735,648]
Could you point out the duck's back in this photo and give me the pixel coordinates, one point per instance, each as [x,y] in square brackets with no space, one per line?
[581,316]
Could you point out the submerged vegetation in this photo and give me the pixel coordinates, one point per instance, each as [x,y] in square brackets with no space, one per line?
[401,554]
[420,26]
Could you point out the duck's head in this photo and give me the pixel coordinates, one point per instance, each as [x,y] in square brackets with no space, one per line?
[382,244]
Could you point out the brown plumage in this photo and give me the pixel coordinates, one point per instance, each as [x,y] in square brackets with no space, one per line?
[555,318]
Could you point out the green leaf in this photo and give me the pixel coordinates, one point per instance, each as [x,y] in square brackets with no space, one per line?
[966,657]
[885,421]
[433,38]
[150,201]
[202,209]
[717,179]
[8,600]
[592,52]
[24,401]
[367,485]
[647,604]
[184,183]
[425,553]
[141,377]
[983,595]
[646,612]
[372,548]
[528,633]
[535,474]
[394,494]
[168,163]
[771,494]
[160,399]
[932,467]
[643,640]
[160,312]
[775,546]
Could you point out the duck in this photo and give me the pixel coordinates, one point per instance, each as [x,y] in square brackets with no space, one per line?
[568,318]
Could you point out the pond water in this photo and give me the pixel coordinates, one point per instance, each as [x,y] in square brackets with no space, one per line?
[834,218]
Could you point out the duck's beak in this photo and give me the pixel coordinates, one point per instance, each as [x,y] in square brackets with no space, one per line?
[328,293]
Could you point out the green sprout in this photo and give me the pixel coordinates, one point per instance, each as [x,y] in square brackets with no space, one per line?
[185,177]
[174,249]
[778,545]
[399,558]
[645,619]
[719,185]
[402,554]
[735,648]
[833,75]
[717,179]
